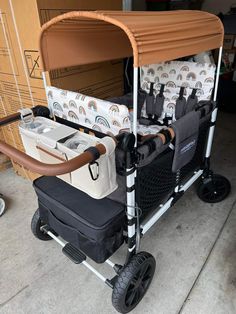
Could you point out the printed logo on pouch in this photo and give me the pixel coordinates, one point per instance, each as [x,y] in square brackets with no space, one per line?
[187,147]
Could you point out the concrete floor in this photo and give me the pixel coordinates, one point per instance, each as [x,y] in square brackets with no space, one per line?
[194,245]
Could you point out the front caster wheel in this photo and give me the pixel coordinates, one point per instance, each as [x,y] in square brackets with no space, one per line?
[133,282]
[214,189]
[36,224]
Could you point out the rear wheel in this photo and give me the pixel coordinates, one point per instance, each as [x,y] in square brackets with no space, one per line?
[133,282]
[36,224]
[214,189]
[2,206]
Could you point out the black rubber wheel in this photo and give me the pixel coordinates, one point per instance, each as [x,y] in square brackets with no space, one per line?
[36,223]
[133,282]
[2,206]
[214,189]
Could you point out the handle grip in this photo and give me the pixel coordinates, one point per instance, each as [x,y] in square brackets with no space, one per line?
[41,111]
[9,119]
[49,169]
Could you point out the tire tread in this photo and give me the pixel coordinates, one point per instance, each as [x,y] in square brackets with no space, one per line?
[124,279]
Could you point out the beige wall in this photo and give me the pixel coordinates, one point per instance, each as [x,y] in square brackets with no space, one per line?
[216,6]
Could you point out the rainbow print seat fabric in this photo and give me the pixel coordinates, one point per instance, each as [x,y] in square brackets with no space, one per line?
[100,115]
[110,118]
[94,113]
[175,74]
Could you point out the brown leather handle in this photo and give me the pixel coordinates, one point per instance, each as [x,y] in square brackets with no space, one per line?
[11,118]
[49,169]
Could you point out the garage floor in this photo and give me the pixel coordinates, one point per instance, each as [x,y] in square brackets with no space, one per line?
[194,245]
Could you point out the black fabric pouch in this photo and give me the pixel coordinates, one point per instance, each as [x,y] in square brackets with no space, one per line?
[93,226]
[186,135]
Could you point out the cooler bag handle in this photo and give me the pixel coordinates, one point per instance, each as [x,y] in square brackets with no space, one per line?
[34,165]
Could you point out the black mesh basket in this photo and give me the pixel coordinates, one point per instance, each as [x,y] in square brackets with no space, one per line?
[156,181]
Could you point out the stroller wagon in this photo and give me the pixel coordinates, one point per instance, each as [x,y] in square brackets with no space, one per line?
[112,182]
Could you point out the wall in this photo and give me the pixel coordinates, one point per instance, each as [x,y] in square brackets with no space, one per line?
[216,6]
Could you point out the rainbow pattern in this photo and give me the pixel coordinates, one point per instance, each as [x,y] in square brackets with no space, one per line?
[82,110]
[185,68]
[92,105]
[170,84]
[192,76]
[72,104]
[72,115]
[114,109]
[151,71]
[101,120]
[57,106]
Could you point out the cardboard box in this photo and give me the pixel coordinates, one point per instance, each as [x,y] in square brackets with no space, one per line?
[5,162]
[20,66]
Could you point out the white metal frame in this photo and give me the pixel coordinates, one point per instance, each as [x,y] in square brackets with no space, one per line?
[130,180]
[214,113]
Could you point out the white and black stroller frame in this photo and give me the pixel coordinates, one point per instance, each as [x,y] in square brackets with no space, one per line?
[149,162]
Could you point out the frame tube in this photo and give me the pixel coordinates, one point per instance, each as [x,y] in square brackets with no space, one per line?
[57,239]
[130,181]
[100,276]
[149,223]
[86,264]
[110,263]
[45,87]
[191,180]
[214,113]
[135,103]
[44,80]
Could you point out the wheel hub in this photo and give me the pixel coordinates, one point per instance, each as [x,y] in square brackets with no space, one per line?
[133,282]
[214,189]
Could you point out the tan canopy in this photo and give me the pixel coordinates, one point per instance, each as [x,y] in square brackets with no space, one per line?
[81,37]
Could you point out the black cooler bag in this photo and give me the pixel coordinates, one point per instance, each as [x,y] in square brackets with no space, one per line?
[93,226]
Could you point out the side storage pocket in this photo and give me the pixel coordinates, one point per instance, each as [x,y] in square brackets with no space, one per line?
[186,137]
[99,251]
[66,232]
